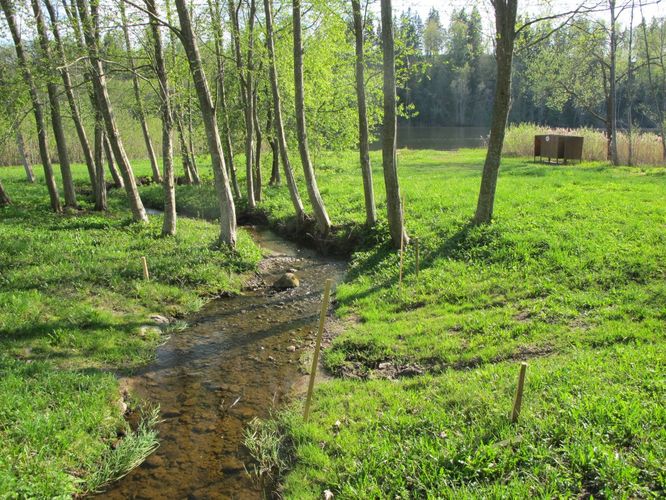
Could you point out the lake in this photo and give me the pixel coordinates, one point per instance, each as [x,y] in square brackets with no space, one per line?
[439,138]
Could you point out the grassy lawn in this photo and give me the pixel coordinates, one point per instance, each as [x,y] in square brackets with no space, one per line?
[74,309]
[570,277]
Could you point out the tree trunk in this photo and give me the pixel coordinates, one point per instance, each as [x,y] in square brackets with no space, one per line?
[630,89]
[257,155]
[363,141]
[505,23]
[190,139]
[225,198]
[389,132]
[169,224]
[115,174]
[275,152]
[89,23]
[613,84]
[69,91]
[321,216]
[4,197]
[657,101]
[137,96]
[221,104]
[100,182]
[245,78]
[20,145]
[184,153]
[36,106]
[54,106]
[279,124]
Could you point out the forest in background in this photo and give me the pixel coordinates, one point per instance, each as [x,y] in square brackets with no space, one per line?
[446,76]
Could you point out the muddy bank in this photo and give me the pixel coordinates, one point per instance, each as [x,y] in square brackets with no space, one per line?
[239,358]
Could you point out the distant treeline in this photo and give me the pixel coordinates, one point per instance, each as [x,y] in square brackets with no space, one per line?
[561,82]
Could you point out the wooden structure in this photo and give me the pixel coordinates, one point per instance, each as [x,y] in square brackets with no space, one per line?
[558,147]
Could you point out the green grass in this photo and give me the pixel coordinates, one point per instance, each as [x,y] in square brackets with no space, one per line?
[74,308]
[570,276]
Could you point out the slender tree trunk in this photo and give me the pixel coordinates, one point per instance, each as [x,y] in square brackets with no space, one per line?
[505,23]
[613,84]
[169,224]
[89,23]
[657,101]
[225,198]
[321,216]
[630,88]
[221,101]
[275,151]
[190,139]
[137,96]
[279,124]
[245,78]
[100,182]
[115,174]
[69,91]
[257,155]
[363,141]
[4,197]
[36,106]
[20,145]
[389,144]
[184,153]
[54,106]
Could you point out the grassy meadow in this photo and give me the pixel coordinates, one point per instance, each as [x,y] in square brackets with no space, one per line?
[570,277]
[74,310]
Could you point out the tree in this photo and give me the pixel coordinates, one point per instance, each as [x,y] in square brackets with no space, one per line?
[225,198]
[4,197]
[389,132]
[279,122]
[363,135]
[245,75]
[38,111]
[320,214]
[69,91]
[654,44]
[20,145]
[169,224]
[433,35]
[54,106]
[505,35]
[88,15]
[141,114]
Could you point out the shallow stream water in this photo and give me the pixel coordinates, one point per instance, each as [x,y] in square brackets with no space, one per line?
[238,359]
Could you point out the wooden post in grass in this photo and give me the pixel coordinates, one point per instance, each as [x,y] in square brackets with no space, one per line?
[146,275]
[416,249]
[315,357]
[402,246]
[519,394]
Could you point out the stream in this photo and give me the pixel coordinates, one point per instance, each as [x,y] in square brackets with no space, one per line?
[238,359]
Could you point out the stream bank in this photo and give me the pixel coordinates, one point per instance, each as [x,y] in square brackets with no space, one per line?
[239,358]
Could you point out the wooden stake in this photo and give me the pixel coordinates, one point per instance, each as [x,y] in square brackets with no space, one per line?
[416,244]
[146,275]
[519,394]
[315,357]
[402,242]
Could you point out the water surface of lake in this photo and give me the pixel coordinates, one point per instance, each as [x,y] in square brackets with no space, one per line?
[438,138]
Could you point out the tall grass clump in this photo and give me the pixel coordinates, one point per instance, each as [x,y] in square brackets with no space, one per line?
[647,148]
